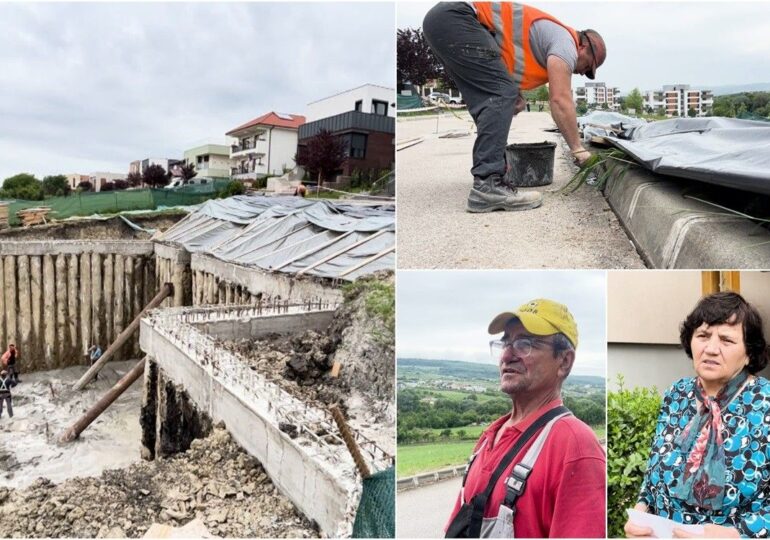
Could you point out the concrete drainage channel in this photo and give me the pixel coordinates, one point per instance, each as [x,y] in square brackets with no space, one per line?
[671,231]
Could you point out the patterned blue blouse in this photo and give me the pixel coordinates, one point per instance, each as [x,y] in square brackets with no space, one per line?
[747,460]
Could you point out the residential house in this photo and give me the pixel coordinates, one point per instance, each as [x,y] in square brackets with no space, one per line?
[266,146]
[598,94]
[210,160]
[367,98]
[679,100]
[360,118]
[75,179]
[100,179]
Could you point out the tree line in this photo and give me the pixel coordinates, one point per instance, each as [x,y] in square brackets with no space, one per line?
[417,416]
[743,105]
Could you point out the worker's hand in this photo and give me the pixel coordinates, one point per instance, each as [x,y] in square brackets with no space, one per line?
[709,531]
[581,155]
[519,105]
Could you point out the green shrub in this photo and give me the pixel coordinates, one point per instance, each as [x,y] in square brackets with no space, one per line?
[231,189]
[631,418]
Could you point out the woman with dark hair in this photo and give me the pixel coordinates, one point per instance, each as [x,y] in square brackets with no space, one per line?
[710,458]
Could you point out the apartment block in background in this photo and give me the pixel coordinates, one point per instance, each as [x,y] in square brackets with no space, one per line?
[364,118]
[75,179]
[679,100]
[100,179]
[266,146]
[597,94]
[210,160]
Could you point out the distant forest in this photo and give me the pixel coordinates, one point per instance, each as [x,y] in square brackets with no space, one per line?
[472,370]
[754,105]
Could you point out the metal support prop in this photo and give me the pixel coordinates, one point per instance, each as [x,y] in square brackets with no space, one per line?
[350,442]
[94,412]
[166,290]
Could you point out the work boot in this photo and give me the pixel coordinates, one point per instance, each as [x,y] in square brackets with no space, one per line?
[495,193]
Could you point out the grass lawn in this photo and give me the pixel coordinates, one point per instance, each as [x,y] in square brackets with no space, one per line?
[414,459]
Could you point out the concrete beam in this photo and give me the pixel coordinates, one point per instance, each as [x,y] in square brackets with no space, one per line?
[176,254]
[670,231]
[256,280]
[55,247]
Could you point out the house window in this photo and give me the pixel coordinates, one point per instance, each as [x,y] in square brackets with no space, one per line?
[357,146]
[380,107]
[359,105]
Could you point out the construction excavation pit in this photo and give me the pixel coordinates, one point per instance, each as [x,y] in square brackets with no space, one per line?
[230,399]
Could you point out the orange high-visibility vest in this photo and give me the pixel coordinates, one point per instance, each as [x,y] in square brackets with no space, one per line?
[511,23]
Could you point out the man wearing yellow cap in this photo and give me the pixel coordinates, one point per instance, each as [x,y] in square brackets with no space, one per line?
[495,50]
[537,472]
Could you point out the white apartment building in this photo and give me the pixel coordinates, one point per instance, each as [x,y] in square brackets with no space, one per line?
[678,100]
[596,94]
[266,146]
[368,98]
[100,179]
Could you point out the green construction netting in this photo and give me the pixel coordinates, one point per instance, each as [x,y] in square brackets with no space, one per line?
[408,102]
[110,202]
[376,517]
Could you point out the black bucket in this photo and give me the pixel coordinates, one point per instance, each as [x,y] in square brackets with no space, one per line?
[530,164]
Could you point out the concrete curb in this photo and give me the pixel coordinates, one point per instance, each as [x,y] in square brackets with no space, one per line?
[670,231]
[412,482]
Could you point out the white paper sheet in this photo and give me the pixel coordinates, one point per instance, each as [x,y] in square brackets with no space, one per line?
[661,527]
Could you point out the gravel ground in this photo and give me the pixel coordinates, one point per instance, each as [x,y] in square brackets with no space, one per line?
[434,231]
[214,481]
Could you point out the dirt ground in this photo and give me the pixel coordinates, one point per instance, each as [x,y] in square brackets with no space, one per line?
[112,228]
[361,341]
[435,231]
[214,481]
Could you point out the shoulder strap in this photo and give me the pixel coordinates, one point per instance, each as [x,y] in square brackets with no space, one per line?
[480,501]
[517,480]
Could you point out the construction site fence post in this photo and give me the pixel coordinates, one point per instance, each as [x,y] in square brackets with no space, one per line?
[166,290]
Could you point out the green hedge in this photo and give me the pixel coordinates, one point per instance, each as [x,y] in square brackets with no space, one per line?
[631,418]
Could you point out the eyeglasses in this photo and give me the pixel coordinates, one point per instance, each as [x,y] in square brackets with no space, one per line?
[522,347]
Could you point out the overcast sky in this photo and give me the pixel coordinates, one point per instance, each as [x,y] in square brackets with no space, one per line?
[91,87]
[445,314]
[650,44]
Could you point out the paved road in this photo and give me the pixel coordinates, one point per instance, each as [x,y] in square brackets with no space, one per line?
[423,512]
[434,231]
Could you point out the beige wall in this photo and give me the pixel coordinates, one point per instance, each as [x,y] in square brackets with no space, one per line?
[647,306]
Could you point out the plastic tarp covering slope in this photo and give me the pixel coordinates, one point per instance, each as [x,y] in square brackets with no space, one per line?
[293,235]
[594,124]
[722,151]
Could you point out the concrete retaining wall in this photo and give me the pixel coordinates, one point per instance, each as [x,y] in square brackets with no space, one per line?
[315,472]
[416,481]
[60,296]
[219,282]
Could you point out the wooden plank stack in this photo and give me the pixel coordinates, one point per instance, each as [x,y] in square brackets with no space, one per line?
[33,216]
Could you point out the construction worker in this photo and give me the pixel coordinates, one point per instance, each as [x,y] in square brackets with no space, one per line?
[10,362]
[494,51]
[94,353]
[300,190]
[5,392]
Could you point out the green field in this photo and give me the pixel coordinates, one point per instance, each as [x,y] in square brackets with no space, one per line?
[471,432]
[456,395]
[419,458]
[416,458]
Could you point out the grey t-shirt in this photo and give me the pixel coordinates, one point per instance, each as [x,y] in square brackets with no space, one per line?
[547,38]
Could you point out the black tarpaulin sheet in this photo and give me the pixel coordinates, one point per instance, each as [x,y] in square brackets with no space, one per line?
[723,151]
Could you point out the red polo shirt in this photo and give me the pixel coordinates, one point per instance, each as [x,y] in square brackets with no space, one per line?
[565,492]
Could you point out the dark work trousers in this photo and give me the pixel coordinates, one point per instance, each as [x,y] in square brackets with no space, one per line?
[472,59]
[6,397]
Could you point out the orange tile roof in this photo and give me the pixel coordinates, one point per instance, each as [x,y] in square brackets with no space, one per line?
[273,119]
